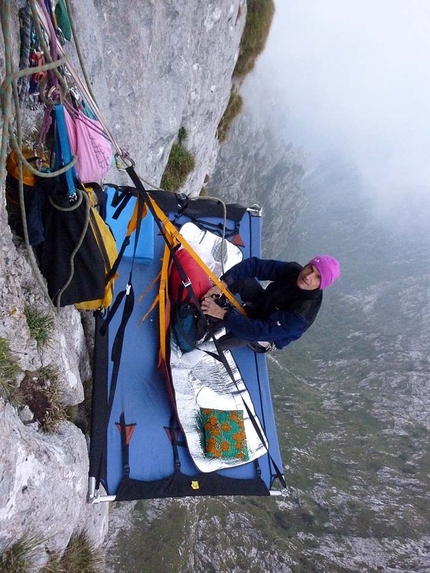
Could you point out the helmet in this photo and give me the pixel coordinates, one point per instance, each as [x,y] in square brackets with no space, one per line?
[28,176]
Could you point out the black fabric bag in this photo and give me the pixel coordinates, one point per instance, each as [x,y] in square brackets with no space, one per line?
[34,202]
[70,257]
[189,327]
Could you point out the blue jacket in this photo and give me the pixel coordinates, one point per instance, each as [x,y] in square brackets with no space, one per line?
[282,312]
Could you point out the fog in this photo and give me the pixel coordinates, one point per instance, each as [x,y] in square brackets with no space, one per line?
[356,79]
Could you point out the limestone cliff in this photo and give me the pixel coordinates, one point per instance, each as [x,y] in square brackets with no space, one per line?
[157,67]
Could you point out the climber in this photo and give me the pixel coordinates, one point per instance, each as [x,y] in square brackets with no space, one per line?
[277,315]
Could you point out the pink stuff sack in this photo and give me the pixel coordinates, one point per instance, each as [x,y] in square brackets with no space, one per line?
[88,143]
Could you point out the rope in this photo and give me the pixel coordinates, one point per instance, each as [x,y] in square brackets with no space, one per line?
[55,76]
[11,93]
[76,249]
[8,94]
[72,207]
[78,50]
[41,18]
[208,198]
[23,85]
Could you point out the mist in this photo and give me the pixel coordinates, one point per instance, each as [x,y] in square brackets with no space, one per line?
[355,80]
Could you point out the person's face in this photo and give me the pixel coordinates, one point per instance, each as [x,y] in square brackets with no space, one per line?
[309,278]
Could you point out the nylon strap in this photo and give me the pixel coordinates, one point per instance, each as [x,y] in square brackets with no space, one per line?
[151,308]
[128,295]
[125,448]
[163,299]
[177,237]
[63,155]
[142,296]
[132,226]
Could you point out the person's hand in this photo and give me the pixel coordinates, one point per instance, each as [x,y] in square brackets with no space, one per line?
[215,290]
[210,307]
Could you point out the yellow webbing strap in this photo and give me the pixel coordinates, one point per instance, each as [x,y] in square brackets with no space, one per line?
[163,300]
[154,302]
[132,224]
[175,237]
[142,296]
[151,308]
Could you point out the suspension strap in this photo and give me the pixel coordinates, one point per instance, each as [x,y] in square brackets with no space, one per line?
[128,296]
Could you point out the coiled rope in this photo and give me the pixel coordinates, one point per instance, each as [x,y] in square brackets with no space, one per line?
[23,84]
[9,93]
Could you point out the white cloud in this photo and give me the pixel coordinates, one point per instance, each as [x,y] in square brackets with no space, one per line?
[355,76]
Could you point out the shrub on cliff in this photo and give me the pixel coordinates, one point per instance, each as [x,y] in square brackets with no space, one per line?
[9,370]
[179,165]
[234,107]
[257,26]
[40,390]
[258,21]
[80,556]
[18,556]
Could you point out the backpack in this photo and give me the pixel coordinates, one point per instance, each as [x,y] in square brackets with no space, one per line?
[108,249]
[78,252]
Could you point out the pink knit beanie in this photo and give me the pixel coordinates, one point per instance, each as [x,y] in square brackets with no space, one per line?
[328,268]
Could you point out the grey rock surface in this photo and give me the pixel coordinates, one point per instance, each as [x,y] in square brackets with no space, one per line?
[43,482]
[157,67]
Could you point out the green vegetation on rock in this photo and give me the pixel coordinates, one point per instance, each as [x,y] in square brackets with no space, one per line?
[40,390]
[9,370]
[80,556]
[179,165]
[18,556]
[40,324]
[234,107]
[257,26]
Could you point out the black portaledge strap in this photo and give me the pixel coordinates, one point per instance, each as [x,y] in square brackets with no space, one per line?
[121,204]
[180,485]
[112,272]
[128,294]
[112,311]
[143,194]
[125,449]
[174,441]
[98,442]
[119,342]
[192,208]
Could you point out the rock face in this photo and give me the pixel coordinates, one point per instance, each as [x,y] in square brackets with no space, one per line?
[154,67]
[158,67]
[257,164]
[43,484]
